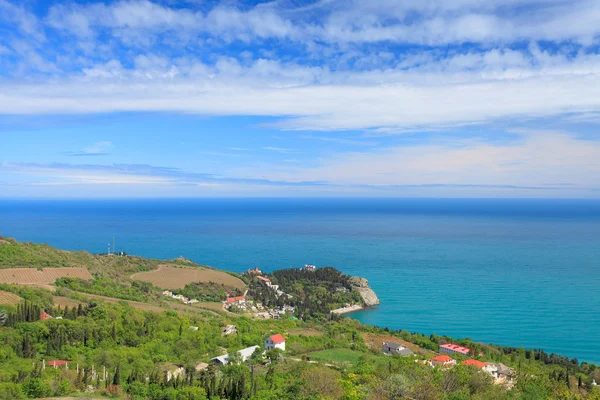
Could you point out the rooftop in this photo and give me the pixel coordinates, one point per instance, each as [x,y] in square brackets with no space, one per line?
[277,338]
[456,348]
[475,363]
[443,359]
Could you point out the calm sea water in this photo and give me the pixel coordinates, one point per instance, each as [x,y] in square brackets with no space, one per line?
[511,272]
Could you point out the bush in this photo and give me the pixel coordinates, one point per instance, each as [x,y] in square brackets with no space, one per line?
[10,391]
[36,387]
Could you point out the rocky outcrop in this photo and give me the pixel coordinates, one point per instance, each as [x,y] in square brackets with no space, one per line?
[361,285]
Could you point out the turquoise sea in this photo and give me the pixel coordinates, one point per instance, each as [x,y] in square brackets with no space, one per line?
[511,272]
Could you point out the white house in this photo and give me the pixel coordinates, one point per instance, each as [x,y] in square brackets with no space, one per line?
[275,342]
[244,353]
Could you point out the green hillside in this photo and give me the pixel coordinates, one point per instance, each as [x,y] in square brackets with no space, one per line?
[142,350]
[14,254]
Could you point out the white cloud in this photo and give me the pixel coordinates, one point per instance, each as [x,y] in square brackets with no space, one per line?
[97,149]
[421,22]
[535,160]
[405,101]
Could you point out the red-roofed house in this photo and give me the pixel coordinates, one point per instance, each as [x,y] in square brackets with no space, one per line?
[57,363]
[275,342]
[450,348]
[238,299]
[475,363]
[443,361]
[44,316]
[262,278]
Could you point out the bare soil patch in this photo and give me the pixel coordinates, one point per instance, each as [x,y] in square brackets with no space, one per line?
[176,278]
[8,298]
[33,276]
[305,332]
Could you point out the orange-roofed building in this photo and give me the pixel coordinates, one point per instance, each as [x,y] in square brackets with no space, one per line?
[58,363]
[443,361]
[238,299]
[44,316]
[265,280]
[475,363]
[275,342]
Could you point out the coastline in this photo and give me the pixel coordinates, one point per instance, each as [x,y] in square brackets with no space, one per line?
[348,309]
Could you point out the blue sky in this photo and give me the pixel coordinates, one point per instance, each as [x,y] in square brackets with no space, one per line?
[423,98]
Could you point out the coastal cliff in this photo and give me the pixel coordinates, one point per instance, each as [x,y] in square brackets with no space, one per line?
[361,285]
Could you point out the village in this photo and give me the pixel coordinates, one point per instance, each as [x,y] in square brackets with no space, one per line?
[499,372]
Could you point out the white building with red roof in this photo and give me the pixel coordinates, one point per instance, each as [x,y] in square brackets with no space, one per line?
[450,348]
[443,361]
[275,342]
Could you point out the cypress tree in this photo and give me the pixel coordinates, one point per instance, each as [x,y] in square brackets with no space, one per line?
[117,377]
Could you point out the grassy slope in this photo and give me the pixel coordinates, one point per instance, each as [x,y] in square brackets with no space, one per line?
[14,254]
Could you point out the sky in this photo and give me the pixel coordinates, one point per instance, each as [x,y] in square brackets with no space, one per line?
[300,98]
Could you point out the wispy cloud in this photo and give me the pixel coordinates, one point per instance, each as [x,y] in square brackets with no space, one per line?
[280,150]
[97,149]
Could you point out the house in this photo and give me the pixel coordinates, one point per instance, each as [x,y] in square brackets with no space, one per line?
[265,280]
[310,268]
[443,361]
[238,299]
[390,348]
[275,342]
[450,348]
[254,271]
[475,363]
[229,330]
[500,372]
[44,316]
[244,353]
[193,328]
[58,363]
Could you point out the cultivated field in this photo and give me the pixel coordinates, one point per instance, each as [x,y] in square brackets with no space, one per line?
[305,332]
[9,298]
[32,276]
[176,278]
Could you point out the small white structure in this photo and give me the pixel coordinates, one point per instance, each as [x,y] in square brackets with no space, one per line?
[275,342]
[229,330]
[244,353]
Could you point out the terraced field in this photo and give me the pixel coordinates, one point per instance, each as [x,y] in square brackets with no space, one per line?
[33,276]
[177,277]
[9,298]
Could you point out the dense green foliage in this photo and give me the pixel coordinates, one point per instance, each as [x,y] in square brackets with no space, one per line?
[137,290]
[139,349]
[207,291]
[313,293]
[118,351]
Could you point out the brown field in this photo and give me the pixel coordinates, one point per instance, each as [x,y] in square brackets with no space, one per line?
[305,332]
[10,299]
[176,278]
[65,302]
[32,276]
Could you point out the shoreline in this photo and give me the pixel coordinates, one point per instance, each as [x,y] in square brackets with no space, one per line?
[348,309]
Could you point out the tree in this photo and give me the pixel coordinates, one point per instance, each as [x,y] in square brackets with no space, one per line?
[117,378]
[321,381]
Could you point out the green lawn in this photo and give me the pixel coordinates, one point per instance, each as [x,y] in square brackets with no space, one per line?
[336,356]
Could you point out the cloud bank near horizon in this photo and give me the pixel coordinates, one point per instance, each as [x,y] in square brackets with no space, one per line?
[335,69]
